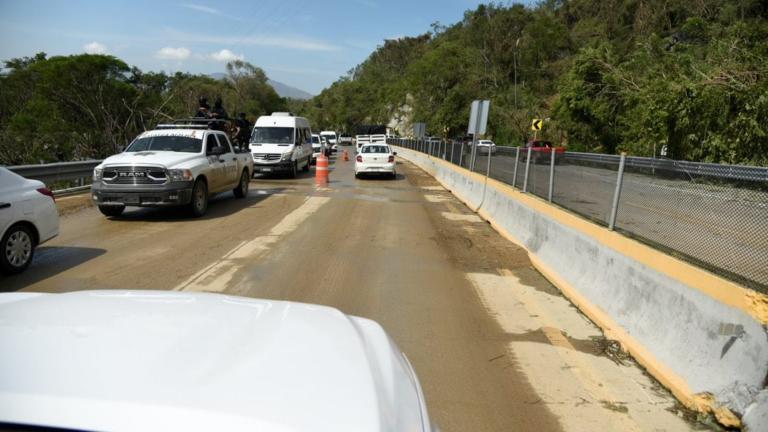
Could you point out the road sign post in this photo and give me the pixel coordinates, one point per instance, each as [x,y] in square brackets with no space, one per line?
[478,119]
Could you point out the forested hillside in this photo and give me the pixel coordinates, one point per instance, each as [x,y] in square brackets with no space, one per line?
[611,75]
[87,106]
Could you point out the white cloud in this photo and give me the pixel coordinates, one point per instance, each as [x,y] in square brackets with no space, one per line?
[225,55]
[288,42]
[209,10]
[95,48]
[170,53]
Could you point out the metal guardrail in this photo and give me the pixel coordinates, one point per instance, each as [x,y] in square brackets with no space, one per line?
[58,172]
[694,169]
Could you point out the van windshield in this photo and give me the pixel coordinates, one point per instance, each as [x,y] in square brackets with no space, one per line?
[272,135]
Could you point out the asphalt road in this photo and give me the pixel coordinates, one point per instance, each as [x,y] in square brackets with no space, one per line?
[719,227]
[496,347]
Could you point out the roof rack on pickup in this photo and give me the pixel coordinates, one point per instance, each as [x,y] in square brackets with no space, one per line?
[192,123]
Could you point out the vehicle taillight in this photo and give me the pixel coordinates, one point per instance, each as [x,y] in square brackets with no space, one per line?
[359,158]
[47,192]
[391,159]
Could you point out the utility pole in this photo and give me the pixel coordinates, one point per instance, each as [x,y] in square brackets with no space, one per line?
[514,63]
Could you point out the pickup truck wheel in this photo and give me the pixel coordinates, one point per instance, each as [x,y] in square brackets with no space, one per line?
[111,210]
[16,249]
[199,203]
[241,191]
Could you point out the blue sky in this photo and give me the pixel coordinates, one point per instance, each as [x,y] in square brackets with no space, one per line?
[303,43]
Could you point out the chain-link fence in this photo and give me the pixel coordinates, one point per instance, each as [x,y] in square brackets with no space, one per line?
[715,216]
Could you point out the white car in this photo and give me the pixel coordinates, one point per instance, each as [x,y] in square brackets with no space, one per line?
[317,147]
[28,218]
[159,361]
[484,146]
[375,159]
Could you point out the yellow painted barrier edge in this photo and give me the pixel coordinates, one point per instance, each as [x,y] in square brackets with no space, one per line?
[729,293]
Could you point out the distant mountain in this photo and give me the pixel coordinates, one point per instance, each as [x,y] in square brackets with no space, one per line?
[287,91]
[283,90]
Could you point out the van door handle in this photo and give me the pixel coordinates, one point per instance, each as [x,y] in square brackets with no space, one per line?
[4,205]
[234,159]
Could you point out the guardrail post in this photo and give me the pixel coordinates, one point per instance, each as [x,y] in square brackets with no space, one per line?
[517,162]
[551,174]
[617,192]
[527,169]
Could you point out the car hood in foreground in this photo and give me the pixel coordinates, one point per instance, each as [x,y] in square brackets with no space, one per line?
[148,360]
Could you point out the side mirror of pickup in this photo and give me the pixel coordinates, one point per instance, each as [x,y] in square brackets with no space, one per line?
[218,151]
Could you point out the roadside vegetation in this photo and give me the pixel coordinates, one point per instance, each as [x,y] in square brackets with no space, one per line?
[609,75]
[88,106]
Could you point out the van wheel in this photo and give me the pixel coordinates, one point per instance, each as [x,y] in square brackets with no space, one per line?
[111,210]
[295,169]
[17,249]
[241,191]
[309,161]
[198,205]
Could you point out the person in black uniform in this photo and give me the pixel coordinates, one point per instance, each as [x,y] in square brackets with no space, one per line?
[242,131]
[218,113]
[203,109]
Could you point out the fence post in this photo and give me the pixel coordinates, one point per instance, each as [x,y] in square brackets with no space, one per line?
[551,174]
[527,168]
[617,192]
[452,143]
[517,162]
[461,153]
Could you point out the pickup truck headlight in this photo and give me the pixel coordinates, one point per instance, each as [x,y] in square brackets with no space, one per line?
[287,156]
[97,174]
[177,175]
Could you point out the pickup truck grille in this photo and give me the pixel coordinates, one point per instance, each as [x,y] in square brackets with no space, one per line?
[266,156]
[134,175]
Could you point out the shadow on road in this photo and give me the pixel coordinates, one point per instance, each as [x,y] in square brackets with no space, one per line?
[48,262]
[220,206]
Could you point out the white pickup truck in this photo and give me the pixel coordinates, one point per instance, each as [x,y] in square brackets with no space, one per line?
[176,164]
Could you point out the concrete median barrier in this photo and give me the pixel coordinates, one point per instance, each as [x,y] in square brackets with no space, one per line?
[703,337]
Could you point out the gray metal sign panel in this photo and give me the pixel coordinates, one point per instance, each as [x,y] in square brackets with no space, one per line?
[478,117]
[419,130]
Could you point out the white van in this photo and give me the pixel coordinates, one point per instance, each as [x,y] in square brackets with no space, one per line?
[281,142]
[332,139]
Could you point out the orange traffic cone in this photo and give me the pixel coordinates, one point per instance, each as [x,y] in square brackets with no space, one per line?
[346,156]
[321,170]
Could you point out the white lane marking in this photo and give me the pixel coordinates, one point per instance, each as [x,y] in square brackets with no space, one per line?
[218,276]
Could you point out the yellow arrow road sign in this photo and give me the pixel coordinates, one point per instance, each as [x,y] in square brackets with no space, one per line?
[537,124]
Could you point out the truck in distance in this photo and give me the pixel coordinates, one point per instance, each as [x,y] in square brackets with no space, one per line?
[183,163]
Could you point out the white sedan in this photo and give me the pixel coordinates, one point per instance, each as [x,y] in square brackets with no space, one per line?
[485,146]
[171,361]
[375,159]
[28,218]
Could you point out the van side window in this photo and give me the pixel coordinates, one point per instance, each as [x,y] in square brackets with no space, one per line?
[307,136]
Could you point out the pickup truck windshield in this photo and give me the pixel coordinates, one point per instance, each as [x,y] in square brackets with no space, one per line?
[272,135]
[172,143]
[315,140]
